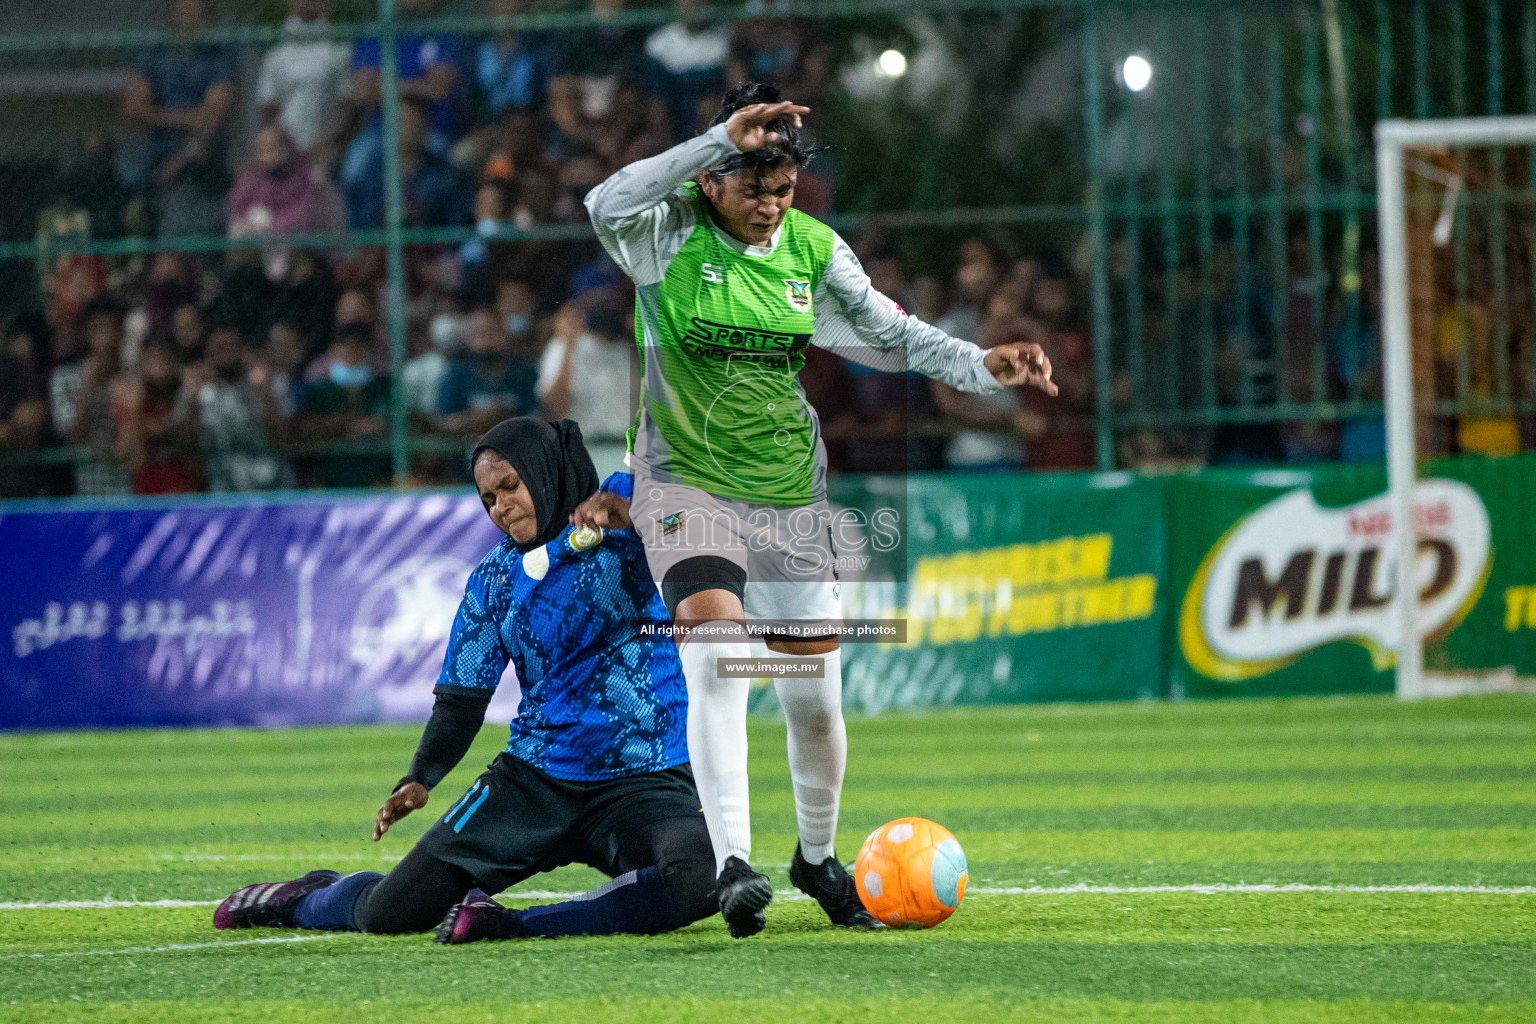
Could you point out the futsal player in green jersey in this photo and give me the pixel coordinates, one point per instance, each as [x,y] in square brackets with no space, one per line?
[730,473]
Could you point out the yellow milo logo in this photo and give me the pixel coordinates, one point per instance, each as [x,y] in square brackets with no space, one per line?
[1024,588]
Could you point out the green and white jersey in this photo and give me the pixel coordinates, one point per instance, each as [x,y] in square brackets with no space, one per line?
[723,327]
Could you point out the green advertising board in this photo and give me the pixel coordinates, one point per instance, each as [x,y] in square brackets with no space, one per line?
[1499,632]
[1284,584]
[1218,583]
[1210,511]
[1019,589]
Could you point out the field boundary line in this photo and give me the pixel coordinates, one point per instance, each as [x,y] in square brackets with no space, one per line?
[106,904]
[1216,888]
[1079,889]
[112,904]
[174,947]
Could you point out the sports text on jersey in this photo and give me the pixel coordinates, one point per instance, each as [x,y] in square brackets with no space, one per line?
[714,340]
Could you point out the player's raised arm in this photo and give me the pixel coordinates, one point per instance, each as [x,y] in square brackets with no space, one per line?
[637,188]
[634,190]
[854,320]
[640,216]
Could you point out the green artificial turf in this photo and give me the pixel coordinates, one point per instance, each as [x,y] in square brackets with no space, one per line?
[1325,792]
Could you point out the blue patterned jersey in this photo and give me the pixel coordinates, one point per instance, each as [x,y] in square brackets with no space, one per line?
[599,700]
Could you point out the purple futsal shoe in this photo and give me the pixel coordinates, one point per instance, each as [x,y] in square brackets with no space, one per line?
[476,918]
[268,904]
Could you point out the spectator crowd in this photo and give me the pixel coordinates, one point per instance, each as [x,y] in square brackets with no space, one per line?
[266,365]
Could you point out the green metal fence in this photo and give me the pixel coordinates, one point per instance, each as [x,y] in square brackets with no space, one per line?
[1222,214]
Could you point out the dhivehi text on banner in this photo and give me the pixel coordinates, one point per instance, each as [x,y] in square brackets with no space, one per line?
[324,609]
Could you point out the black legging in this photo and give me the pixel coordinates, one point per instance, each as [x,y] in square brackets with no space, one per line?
[417,894]
[413,897]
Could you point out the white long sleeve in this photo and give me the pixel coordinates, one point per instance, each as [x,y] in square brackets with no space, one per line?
[857,322]
[640,213]
[642,217]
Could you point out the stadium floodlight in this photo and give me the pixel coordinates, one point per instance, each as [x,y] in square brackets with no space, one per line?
[1393,139]
[892,63]
[1136,72]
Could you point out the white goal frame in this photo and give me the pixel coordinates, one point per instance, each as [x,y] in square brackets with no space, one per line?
[1393,137]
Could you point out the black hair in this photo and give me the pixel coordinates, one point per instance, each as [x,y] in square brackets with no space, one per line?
[222,316]
[1054,268]
[105,304]
[159,343]
[788,149]
[506,189]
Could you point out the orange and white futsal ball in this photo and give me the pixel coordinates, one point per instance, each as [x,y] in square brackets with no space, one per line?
[910,873]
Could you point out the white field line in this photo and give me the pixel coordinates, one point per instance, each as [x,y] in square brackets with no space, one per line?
[173,948]
[241,857]
[1082,889]
[1259,887]
[112,904]
[106,904]
[1065,890]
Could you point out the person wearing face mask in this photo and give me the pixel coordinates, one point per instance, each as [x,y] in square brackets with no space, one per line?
[24,423]
[159,448]
[515,304]
[186,332]
[590,377]
[234,403]
[350,402]
[479,256]
[86,397]
[303,79]
[494,377]
[1054,315]
[422,378]
[284,355]
[354,320]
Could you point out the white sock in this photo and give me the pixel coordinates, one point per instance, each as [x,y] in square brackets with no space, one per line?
[717,744]
[818,751]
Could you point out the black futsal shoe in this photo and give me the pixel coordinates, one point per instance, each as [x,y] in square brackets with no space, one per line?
[269,904]
[743,894]
[476,918]
[829,884]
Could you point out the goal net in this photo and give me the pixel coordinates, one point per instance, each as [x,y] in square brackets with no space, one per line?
[1457,220]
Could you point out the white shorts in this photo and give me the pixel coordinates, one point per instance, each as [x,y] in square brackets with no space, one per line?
[786,553]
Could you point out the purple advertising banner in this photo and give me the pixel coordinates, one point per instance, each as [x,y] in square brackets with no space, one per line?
[295,611]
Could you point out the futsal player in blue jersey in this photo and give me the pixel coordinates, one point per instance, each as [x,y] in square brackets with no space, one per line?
[596,770]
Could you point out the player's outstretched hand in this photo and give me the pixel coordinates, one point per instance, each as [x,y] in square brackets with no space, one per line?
[1021,362]
[407,797]
[747,128]
[604,510]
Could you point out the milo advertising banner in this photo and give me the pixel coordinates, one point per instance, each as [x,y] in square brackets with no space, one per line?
[1220,583]
[1285,581]
[1018,589]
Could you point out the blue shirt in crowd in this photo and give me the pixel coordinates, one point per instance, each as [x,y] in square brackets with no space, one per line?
[512,74]
[415,55]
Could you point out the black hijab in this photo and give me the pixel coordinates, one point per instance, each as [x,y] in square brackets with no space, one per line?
[552,460]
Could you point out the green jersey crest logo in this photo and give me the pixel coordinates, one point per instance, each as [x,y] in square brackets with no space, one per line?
[672,523]
[798,293]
